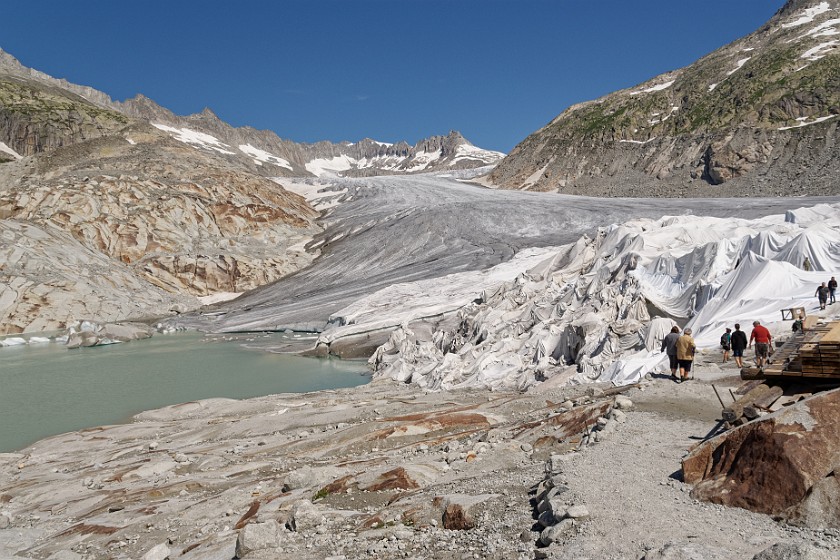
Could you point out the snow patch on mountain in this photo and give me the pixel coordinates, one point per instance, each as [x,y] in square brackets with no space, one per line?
[825,29]
[261,156]
[657,87]
[809,14]
[195,138]
[330,166]
[423,159]
[821,50]
[738,65]
[467,151]
[803,121]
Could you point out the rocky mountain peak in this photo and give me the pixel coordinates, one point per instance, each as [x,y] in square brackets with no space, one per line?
[758,115]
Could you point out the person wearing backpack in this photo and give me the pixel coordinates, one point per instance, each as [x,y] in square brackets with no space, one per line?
[726,344]
[738,340]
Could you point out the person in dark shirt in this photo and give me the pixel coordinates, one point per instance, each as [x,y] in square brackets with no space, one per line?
[738,340]
[822,294]
[832,287]
[669,346]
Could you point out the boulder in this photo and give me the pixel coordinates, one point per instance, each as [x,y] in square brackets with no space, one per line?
[793,551]
[159,552]
[782,464]
[459,510]
[306,516]
[125,332]
[257,536]
[554,533]
[623,402]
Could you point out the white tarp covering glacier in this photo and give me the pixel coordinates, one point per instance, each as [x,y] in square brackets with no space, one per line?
[597,309]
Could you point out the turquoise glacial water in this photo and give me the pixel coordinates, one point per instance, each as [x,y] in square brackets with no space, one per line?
[47,389]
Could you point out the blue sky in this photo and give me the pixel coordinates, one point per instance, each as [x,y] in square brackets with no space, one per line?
[391,70]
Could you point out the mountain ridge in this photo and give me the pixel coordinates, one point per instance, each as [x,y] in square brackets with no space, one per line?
[758,115]
[265,152]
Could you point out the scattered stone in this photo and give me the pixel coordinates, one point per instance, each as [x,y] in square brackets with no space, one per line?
[577,512]
[687,551]
[526,447]
[623,402]
[619,416]
[5,521]
[556,532]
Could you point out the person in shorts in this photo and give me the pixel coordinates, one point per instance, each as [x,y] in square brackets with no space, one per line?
[726,343]
[762,339]
[669,346]
[738,340]
[685,354]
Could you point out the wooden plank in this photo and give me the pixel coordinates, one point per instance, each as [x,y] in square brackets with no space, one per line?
[747,387]
[760,392]
[751,373]
[832,336]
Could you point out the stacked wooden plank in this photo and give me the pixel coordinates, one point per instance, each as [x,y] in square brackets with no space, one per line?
[821,357]
[814,353]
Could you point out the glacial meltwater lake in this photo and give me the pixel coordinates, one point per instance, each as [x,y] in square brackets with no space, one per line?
[46,389]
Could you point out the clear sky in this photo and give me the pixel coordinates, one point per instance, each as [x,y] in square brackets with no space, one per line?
[391,70]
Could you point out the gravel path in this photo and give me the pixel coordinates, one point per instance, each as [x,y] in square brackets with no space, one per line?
[633,489]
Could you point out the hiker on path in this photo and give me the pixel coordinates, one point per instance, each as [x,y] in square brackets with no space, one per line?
[806,264]
[726,344]
[669,346]
[685,354]
[738,340]
[832,287]
[822,294]
[762,339]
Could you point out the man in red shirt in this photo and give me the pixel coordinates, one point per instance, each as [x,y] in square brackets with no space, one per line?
[762,339]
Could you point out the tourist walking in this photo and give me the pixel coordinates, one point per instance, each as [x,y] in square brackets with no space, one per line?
[726,343]
[806,264]
[685,354]
[669,346]
[738,340]
[832,287]
[822,294]
[762,339]
[799,324]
